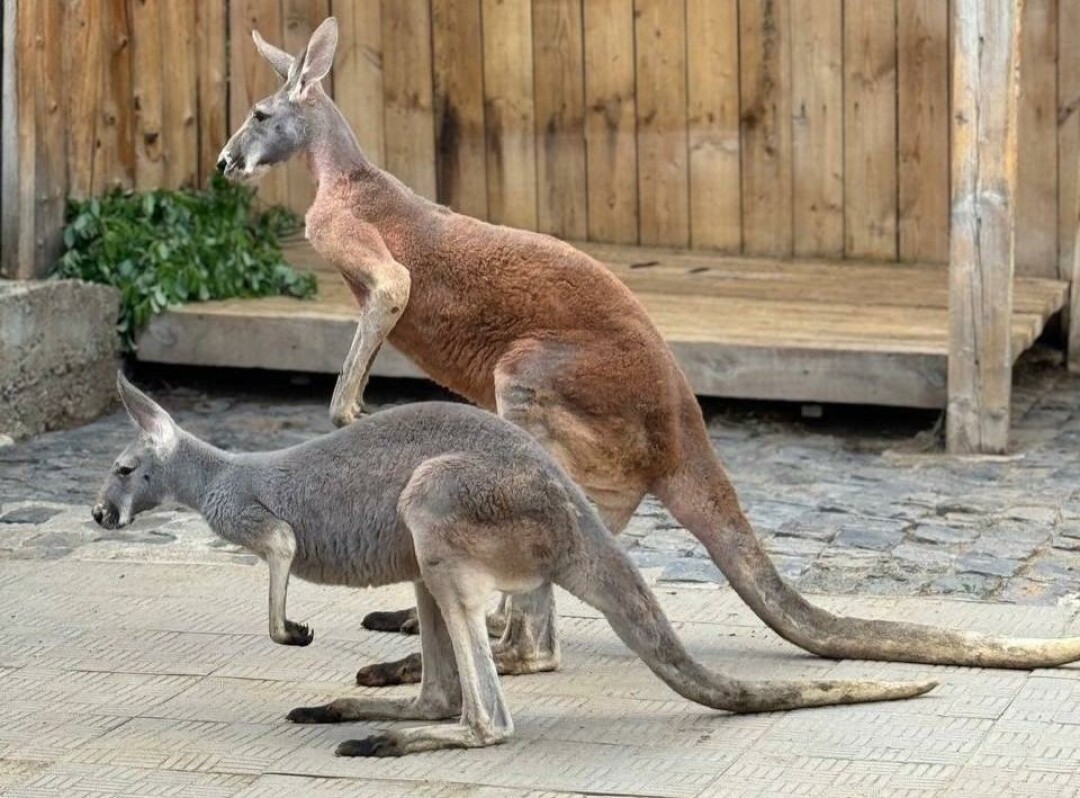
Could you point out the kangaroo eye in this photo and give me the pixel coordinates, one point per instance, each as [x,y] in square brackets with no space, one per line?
[260,116]
[124,470]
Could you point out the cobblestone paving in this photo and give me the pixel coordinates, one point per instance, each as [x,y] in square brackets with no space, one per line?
[856,502]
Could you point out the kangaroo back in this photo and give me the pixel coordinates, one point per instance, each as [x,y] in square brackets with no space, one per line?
[606,579]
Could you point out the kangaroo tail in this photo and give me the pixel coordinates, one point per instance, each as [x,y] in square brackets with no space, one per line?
[701,498]
[605,578]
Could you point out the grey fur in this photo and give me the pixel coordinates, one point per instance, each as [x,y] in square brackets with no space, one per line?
[457,501]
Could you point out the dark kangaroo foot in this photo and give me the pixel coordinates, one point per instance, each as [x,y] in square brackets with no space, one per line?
[404,621]
[384,674]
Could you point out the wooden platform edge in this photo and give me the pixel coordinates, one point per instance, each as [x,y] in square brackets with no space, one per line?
[319,345]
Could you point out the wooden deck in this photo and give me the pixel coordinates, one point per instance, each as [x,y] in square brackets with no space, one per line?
[854,332]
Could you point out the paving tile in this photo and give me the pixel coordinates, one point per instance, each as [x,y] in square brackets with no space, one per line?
[72,780]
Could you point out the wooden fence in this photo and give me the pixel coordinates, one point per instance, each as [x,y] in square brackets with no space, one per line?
[772,127]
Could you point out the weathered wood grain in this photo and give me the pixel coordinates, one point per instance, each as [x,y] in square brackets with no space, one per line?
[83,65]
[115,159]
[765,97]
[558,62]
[50,150]
[984,169]
[663,177]
[870,129]
[459,106]
[408,93]
[712,85]
[180,86]
[148,87]
[509,113]
[1037,158]
[211,68]
[923,131]
[610,121]
[358,73]
[817,86]
[9,144]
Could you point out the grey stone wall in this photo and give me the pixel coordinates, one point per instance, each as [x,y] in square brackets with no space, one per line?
[58,354]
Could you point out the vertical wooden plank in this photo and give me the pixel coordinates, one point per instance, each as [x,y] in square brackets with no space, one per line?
[25,47]
[300,18]
[50,138]
[84,64]
[870,129]
[409,113]
[923,106]
[610,121]
[984,169]
[663,174]
[148,92]
[461,170]
[1037,164]
[817,85]
[358,73]
[181,144]
[1069,170]
[712,85]
[9,136]
[765,95]
[558,59]
[212,90]
[509,113]
[1068,118]
[250,77]
[117,126]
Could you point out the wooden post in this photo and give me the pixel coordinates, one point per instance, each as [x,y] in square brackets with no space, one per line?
[1072,314]
[984,143]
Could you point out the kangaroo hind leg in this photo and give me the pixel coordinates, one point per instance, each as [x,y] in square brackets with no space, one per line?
[440,693]
[448,537]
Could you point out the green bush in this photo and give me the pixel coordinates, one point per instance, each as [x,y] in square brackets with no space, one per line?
[164,248]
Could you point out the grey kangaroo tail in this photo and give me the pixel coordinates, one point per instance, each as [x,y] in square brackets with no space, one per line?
[605,578]
[702,499]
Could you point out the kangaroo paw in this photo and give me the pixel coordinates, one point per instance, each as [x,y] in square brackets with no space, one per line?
[404,621]
[326,713]
[375,745]
[296,634]
[384,674]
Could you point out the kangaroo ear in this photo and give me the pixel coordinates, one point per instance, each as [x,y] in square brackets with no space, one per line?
[318,57]
[147,414]
[279,60]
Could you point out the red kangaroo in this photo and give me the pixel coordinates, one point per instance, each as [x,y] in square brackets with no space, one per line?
[530,327]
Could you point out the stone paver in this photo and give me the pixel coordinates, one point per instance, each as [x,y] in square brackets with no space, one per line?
[125,678]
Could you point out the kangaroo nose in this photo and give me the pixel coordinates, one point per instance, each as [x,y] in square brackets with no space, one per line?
[222,164]
[98,512]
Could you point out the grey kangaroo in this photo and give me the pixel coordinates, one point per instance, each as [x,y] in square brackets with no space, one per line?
[547,337]
[461,503]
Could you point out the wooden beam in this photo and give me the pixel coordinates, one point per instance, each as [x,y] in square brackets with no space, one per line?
[984,145]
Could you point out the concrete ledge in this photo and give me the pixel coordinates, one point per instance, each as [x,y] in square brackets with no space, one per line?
[58,354]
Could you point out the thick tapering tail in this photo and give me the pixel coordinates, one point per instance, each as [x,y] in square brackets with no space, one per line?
[605,578]
[701,498]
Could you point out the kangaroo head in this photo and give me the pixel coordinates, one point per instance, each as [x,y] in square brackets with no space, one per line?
[140,477]
[281,125]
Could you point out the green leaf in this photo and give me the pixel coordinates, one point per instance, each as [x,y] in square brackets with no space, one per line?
[162,248]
